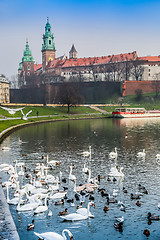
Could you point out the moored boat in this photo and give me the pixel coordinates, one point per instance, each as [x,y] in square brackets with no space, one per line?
[135,113]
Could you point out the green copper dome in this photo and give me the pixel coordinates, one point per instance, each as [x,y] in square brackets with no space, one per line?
[20,66]
[27,55]
[48,39]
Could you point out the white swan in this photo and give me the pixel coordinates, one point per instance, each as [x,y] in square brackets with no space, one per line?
[24,117]
[41,209]
[54,235]
[13,201]
[84,214]
[71,176]
[85,169]
[28,206]
[86,211]
[115,173]
[58,195]
[78,188]
[91,180]
[87,153]
[21,172]
[141,154]
[52,163]
[113,154]
[158,156]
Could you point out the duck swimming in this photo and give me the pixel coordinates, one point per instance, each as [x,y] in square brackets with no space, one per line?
[152,217]
[63,212]
[30,226]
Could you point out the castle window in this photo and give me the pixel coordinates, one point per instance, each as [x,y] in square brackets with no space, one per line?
[28,73]
[49,42]
[48,29]
[29,68]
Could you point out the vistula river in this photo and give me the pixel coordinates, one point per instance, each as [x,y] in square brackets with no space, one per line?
[64,141]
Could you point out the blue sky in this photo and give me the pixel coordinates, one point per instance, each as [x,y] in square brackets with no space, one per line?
[96,28]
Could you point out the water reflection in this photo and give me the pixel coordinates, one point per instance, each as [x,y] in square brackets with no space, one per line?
[63,141]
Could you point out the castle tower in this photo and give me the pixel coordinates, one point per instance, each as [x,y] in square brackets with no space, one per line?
[26,67]
[73,52]
[48,46]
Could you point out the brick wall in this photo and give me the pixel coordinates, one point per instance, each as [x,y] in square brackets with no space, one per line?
[129,87]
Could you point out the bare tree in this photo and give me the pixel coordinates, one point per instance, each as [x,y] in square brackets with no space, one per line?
[69,93]
[137,70]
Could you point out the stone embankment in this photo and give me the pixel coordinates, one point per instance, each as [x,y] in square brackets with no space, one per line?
[8,229]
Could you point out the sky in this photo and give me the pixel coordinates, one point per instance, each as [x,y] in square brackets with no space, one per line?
[97,28]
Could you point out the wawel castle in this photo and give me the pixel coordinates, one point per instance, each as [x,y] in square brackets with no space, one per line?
[54,69]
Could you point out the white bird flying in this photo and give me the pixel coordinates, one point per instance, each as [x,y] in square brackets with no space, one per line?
[24,117]
[12,110]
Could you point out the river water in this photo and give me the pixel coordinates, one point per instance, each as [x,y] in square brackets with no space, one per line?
[64,141]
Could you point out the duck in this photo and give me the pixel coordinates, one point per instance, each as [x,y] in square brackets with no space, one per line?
[138,203]
[63,212]
[122,208]
[152,217]
[106,208]
[54,235]
[141,154]
[108,179]
[59,202]
[118,226]
[120,219]
[135,196]
[30,226]
[125,190]
[146,232]
[113,154]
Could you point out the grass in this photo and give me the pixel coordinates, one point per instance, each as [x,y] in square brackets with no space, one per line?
[51,113]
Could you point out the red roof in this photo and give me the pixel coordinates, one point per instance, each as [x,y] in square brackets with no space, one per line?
[37,66]
[99,60]
[150,58]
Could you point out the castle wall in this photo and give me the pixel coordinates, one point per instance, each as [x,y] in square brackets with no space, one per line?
[129,87]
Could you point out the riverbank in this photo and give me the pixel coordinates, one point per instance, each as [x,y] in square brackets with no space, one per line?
[8,229]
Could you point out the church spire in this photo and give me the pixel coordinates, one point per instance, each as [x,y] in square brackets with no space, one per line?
[27,55]
[48,46]
[73,52]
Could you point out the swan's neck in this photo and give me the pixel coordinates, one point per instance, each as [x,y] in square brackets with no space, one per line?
[88,208]
[70,170]
[46,201]
[74,185]
[7,194]
[47,159]
[63,233]
[89,177]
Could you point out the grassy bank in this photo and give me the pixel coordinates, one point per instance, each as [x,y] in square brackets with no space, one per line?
[46,114]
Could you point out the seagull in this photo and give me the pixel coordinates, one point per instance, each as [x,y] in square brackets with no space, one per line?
[12,110]
[24,117]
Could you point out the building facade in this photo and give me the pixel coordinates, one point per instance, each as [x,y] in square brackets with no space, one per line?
[4,90]
[118,68]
